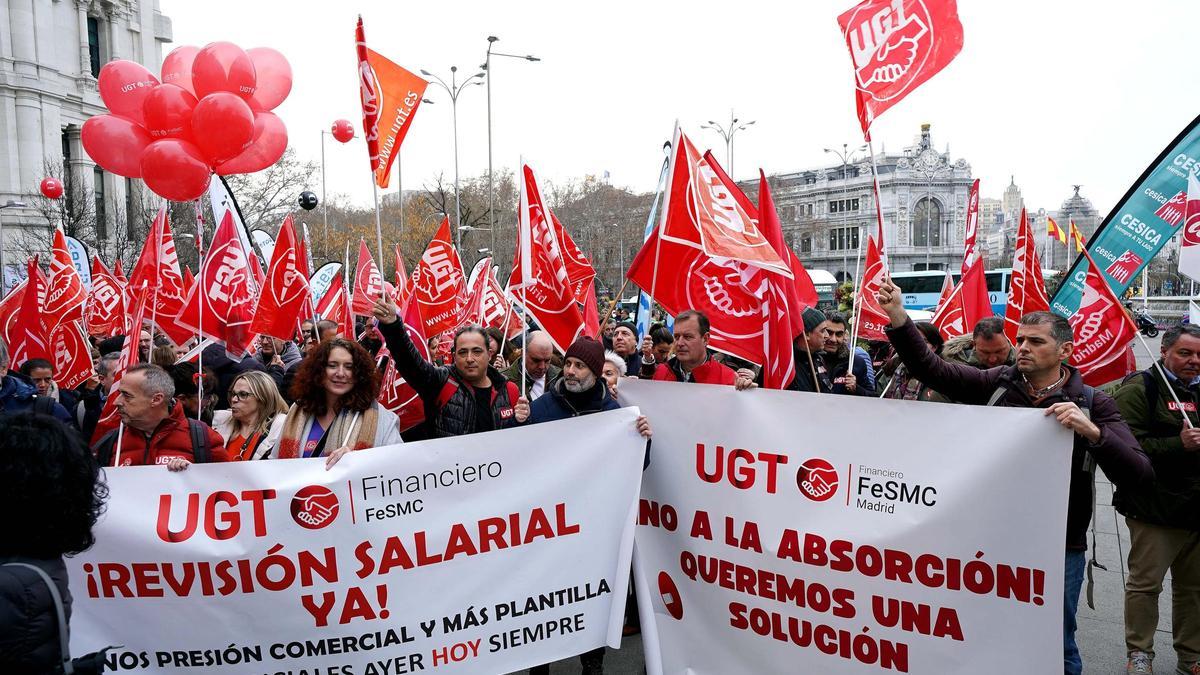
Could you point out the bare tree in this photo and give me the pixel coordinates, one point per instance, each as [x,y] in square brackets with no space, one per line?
[266,196]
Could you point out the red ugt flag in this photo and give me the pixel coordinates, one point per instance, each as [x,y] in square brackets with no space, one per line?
[66,295]
[1027,289]
[579,269]
[539,272]
[285,292]
[109,419]
[224,290]
[29,338]
[157,273]
[967,305]
[440,283]
[1102,330]
[869,316]
[395,393]
[368,282]
[72,354]
[969,253]
[895,46]
[105,313]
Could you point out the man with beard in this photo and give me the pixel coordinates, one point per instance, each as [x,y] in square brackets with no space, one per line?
[860,382]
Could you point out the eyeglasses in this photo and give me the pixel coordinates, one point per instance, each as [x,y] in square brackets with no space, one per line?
[239,395]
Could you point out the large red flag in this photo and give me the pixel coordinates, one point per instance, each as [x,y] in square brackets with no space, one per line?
[109,419]
[66,295]
[896,45]
[539,276]
[72,355]
[1027,287]
[105,312]
[368,282]
[395,393]
[782,306]
[972,229]
[10,310]
[699,211]
[579,269]
[119,274]
[967,304]
[476,285]
[440,282]
[304,264]
[335,306]
[1102,331]
[29,338]
[157,272]
[286,289]
[947,291]
[870,319]
[591,312]
[221,304]
[390,98]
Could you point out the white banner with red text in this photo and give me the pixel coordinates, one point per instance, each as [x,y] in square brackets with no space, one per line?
[786,532]
[483,554]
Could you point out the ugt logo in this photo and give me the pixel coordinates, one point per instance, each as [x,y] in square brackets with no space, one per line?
[890,45]
[314,507]
[817,479]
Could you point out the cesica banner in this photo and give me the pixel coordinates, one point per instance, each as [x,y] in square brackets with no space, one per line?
[485,554]
[781,532]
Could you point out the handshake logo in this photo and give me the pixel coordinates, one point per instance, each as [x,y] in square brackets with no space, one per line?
[817,479]
[314,507]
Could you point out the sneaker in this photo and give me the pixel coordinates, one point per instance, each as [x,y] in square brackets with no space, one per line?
[1185,668]
[1140,663]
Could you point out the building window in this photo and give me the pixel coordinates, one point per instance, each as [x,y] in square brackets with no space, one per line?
[843,238]
[927,223]
[101,212]
[927,267]
[806,244]
[131,208]
[789,213]
[93,27]
[843,205]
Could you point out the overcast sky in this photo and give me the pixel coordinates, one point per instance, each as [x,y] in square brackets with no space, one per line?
[1054,92]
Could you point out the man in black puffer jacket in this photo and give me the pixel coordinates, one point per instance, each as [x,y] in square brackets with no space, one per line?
[466,398]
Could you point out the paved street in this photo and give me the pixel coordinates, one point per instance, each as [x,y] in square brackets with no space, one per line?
[1101,631]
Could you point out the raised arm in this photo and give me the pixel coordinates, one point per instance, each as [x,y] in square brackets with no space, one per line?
[425,378]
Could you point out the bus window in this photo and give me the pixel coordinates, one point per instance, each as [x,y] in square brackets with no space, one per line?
[996,282]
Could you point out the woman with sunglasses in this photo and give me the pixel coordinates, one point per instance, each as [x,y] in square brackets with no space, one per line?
[336,411]
[252,425]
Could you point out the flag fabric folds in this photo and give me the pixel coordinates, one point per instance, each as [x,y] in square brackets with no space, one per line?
[1027,286]
[1102,329]
[221,304]
[1189,249]
[967,305]
[440,288]
[390,97]
[285,291]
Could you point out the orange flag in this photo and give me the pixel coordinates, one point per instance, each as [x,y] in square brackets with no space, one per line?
[390,97]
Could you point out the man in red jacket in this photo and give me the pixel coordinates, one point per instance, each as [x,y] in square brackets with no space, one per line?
[691,362]
[156,430]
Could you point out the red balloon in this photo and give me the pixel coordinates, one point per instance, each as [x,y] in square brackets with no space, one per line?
[343,131]
[223,66]
[274,78]
[270,140]
[168,112]
[222,125]
[177,67]
[52,188]
[175,169]
[123,86]
[115,143]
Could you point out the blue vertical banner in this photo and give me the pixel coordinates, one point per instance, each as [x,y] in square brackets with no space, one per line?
[643,309]
[81,261]
[1142,222]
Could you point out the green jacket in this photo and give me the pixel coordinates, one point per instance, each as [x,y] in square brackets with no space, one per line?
[1173,498]
[514,375]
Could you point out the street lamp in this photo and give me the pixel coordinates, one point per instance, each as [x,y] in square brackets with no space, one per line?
[487,67]
[10,204]
[727,133]
[454,89]
[846,156]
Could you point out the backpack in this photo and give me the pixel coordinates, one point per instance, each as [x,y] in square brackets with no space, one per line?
[43,405]
[198,431]
[92,663]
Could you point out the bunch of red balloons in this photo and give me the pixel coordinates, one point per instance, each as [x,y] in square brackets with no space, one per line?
[209,113]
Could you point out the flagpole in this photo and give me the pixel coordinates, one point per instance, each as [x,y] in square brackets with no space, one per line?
[858,255]
[378,226]
[613,305]
[200,319]
[1163,374]
[665,195]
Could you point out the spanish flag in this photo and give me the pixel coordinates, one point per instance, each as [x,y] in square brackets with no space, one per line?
[1075,237]
[1054,231]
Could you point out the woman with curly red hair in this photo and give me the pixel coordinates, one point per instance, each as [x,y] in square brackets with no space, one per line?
[336,411]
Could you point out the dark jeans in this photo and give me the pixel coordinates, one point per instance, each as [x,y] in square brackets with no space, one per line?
[1076,563]
[593,662]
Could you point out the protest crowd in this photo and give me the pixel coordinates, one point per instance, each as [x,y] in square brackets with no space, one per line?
[247,361]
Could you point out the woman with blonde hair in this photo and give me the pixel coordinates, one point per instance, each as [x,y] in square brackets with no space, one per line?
[252,425]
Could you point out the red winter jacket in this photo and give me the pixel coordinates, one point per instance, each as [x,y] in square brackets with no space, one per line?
[171,439]
[709,372]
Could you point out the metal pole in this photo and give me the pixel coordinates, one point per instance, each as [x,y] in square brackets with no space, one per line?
[491,188]
[454,116]
[400,181]
[3,282]
[324,202]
